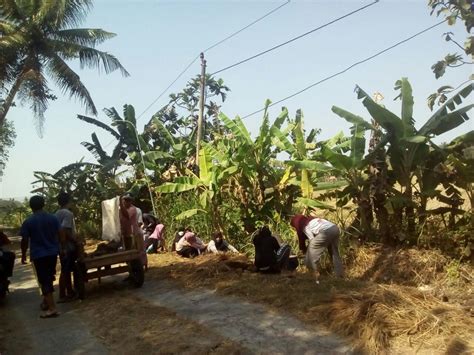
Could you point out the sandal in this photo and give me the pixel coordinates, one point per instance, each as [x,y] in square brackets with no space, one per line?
[49,315]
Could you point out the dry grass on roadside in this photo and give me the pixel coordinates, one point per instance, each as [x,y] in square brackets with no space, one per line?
[377,316]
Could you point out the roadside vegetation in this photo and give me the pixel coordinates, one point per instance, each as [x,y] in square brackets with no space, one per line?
[403,200]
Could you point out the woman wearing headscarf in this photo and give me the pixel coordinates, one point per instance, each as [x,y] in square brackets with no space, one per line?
[190,245]
[271,256]
[321,234]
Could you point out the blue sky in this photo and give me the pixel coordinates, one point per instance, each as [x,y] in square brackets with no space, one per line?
[157,39]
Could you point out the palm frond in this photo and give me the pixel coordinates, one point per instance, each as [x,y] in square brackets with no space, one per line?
[88,57]
[10,10]
[92,58]
[84,36]
[62,13]
[34,89]
[68,81]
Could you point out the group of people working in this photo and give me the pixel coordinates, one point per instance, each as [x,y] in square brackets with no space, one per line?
[147,228]
[49,235]
[188,244]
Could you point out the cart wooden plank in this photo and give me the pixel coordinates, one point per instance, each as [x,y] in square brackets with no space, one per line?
[109,259]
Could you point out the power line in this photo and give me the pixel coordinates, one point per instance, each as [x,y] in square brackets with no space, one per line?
[347,69]
[208,49]
[249,25]
[168,87]
[197,57]
[296,38]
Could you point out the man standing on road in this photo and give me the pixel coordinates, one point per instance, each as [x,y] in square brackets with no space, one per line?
[41,232]
[68,247]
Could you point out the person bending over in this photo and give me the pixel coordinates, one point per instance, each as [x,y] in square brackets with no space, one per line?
[315,235]
[190,246]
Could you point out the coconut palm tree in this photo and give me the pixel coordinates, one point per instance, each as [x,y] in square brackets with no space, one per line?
[37,38]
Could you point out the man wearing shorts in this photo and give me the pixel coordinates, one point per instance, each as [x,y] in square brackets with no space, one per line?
[41,232]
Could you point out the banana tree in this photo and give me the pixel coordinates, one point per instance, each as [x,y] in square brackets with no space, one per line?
[263,186]
[168,153]
[129,142]
[303,164]
[207,185]
[345,156]
[460,166]
[408,147]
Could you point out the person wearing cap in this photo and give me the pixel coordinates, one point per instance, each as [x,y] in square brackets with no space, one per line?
[190,245]
[315,235]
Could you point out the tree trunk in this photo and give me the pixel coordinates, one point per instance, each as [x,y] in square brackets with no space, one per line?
[9,99]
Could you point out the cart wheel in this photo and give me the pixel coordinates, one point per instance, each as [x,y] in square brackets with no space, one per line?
[137,274]
[80,280]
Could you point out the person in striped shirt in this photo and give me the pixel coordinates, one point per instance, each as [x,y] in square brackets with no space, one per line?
[315,235]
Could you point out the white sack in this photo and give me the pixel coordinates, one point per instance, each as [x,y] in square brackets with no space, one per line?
[111,220]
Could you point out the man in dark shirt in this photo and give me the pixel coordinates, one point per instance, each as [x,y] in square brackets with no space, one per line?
[41,232]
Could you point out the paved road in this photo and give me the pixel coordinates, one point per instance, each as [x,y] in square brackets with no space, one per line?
[253,326]
[66,334]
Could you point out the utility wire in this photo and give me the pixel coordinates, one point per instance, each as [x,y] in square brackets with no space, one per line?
[208,49]
[197,57]
[296,38]
[348,68]
[244,28]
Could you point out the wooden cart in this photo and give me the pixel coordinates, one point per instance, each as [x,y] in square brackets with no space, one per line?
[96,267]
[89,267]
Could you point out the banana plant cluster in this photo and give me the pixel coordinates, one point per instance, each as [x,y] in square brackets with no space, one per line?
[236,170]
[284,168]
[412,158]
